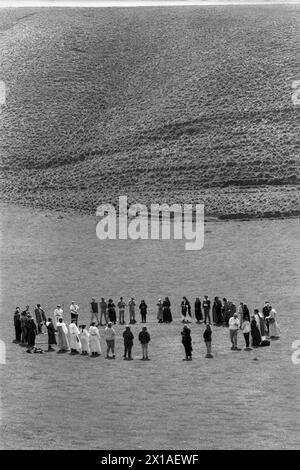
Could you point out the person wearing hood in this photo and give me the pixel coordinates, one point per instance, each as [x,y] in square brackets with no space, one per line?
[144,339]
[217,311]
[62,336]
[261,324]
[111,311]
[17,325]
[274,330]
[103,311]
[187,342]
[85,340]
[198,311]
[160,311]
[74,332]
[95,345]
[51,334]
[128,343]
[143,309]
[167,315]
[255,333]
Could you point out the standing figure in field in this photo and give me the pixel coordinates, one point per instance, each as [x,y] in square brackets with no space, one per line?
[110,335]
[32,332]
[225,311]
[111,310]
[131,305]
[143,309]
[198,311]
[40,318]
[144,339]
[103,311]
[74,332]
[274,330]
[207,339]
[51,334]
[128,343]
[159,311]
[58,313]
[24,323]
[266,312]
[94,311]
[255,333]
[231,309]
[62,336]
[234,325]
[94,340]
[246,329]
[241,313]
[85,340]
[17,325]
[167,315]
[261,324]
[187,342]
[206,309]
[246,313]
[121,307]
[74,310]
[186,310]
[217,311]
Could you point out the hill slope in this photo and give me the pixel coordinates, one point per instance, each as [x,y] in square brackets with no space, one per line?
[160,104]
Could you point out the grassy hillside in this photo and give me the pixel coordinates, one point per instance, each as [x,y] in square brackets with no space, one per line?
[160,104]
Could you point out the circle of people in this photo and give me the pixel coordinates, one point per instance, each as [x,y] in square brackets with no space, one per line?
[78,339]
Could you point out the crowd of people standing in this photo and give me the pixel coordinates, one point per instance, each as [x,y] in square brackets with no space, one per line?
[77,338]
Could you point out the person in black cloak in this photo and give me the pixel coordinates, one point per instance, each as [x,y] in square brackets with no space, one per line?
[217,311]
[51,334]
[32,332]
[185,309]
[167,315]
[187,342]
[17,325]
[198,311]
[143,310]
[111,310]
[255,334]
[24,323]
[246,313]
[128,343]
[225,311]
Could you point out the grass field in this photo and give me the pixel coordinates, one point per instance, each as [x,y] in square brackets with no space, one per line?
[232,401]
[160,104]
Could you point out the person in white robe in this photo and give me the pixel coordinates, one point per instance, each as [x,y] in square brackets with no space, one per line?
[85,341]
[75,343]
[274,330]
[58,313]
[94,340]
[62,336]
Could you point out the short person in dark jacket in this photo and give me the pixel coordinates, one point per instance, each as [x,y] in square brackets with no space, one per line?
[143,310]
[51,334]
[207,338]
[128,343]
[187,342]
[144,339]
[17,325]
[32,332]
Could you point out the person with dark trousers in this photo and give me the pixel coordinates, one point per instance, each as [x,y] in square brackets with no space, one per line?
[246,328]
[246,313]
[144,339]
[206,309]
[217,311]
[128,343]
[51,334]
[143,310]
[17,325]
[187,342]
[186,310]
[32,332]
[207,339]
[266,312]
[198,311]
[94,311]
[24,324]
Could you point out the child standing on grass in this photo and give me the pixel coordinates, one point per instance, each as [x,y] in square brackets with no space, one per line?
[51,334]
[144,339]
[207,339]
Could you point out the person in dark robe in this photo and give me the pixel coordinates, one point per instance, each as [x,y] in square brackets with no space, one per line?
[32,332]
[51,334]
[186,310]
[198,311]
[167,315]
[206,309]
[246,313]
[103,311]
[217,311]
[17,325]
[24,322]
[128,343]
[255,334]
[207,339]
[143,310]
[225,311]
[111,310]
[94,311]
[187,342]
[40,317]
[266,312]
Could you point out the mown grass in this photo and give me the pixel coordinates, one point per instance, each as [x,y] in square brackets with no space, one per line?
[155,103]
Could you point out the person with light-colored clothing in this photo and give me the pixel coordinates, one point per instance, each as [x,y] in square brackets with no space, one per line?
[234,324]
[110,335]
